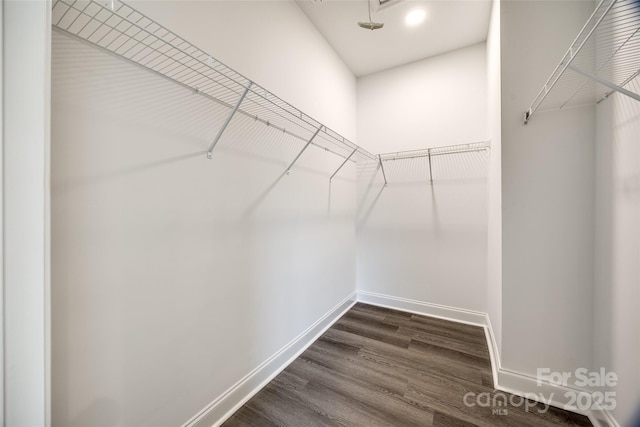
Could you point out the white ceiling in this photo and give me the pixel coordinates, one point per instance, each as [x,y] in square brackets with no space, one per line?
[449,25]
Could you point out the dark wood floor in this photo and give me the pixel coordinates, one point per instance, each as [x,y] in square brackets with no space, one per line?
[381,367]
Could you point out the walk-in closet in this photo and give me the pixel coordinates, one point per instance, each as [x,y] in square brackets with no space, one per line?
[320,212]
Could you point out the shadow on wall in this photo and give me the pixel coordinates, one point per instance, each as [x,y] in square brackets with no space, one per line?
[156,281]
[190,119]
[194,120]
[442,167]
[365,215]
[366,175]
[122,172]
[412,177]
[436,217]
[617,269]
[254,205]
[414,236]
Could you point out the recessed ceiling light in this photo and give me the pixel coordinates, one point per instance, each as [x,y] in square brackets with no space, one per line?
[415,17]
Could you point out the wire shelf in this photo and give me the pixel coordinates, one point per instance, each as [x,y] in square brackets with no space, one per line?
[604,57]
[437,151]
[119,29]
[417,160]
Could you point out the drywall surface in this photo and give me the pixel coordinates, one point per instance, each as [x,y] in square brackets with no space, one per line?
[174,276]
[434,102]
[617,267]
[25,143]
[494,204]
[425,242]
[547,197]
[413,237]
[272,43]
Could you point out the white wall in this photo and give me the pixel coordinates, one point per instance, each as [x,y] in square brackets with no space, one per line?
[273,43]
[413,238]
[425,242]
[434,102]
[494,204]
[173,275]
[548,199]
[617,266]
[26,37]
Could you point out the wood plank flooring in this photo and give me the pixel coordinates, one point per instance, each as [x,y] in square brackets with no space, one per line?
[381,367]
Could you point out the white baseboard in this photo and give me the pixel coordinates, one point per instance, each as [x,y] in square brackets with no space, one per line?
[237,395]
[528,386]
[504,379]
[603,418]
[460,315]
[494,351]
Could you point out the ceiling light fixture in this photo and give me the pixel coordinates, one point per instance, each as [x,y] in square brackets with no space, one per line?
[370,25]
[415,17]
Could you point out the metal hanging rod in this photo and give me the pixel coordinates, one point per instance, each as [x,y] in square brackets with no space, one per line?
[119,29]
[603,58]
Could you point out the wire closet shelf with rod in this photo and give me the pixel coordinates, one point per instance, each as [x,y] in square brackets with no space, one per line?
[604,58]
[116,28]
[430,154]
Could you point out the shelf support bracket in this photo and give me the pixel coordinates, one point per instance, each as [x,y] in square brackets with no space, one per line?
[226,122]
[343,163]
[303,149]
[384,175]
[605,82]
[627,80]
[430,173]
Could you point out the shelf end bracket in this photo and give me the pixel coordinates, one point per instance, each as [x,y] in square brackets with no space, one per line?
[227,121]
[343,163]
[605,82]
[302,151]
[384,175]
